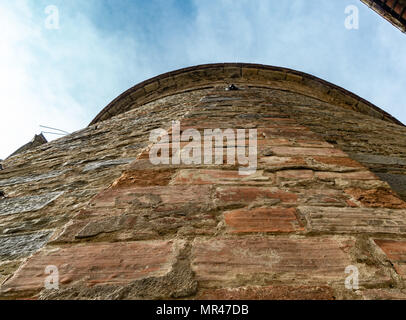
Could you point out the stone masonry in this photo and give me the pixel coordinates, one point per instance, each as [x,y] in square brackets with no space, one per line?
[328,193]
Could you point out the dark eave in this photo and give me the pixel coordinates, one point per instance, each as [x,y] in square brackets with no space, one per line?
[392,10]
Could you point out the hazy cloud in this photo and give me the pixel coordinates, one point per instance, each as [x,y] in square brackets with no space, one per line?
[63,78]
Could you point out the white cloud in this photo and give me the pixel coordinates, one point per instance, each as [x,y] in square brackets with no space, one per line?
[63,78]
[57,78]
[308,36]
[26,102]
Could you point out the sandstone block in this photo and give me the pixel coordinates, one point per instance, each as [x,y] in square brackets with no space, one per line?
[276,220]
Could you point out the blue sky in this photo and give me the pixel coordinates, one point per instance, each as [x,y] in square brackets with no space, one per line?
[62,78]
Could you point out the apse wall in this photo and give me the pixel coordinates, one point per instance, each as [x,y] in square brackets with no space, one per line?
[320,205]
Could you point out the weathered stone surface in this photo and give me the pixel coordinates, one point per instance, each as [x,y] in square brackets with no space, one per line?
[361,175]
[262,220]
[8,268]
[226,196]
[297,151]
[146,225]
[354,220]
[378,159]
[316,163]
[307,131]
[376,145]
[219,99]
[31,178]
[270,75]
[322,197]
[15,247]
[144,178]
[273,163]
[10,206]
[337,164]
[269,293]
[105,164]
[97,264]
[106,225]
[153,197]
[128,212]
[188,176]
[396,181]
[377,198]
[295,175]
[28,225]
[263,260]
[395,250]
[384,294]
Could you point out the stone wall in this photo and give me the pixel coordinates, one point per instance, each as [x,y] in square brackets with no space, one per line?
[118,227]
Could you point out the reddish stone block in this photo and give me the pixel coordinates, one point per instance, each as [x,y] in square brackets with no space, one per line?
[377,198]
[312,260]
[231,195]
[390,3]
[143,178]
[262,220]
[149,197]
[396,252]
[398,8]
[269,293]
[203,176]
[96,264]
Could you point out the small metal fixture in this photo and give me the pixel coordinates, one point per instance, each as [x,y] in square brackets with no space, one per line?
[232,87]
[2,195]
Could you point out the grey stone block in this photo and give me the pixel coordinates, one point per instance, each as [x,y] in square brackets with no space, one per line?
[10,206]
[16,247]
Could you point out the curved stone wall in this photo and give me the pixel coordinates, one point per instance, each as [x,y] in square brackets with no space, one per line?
[116,226]
[208,76]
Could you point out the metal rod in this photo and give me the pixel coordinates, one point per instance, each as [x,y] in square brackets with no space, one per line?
[54,129]
[59,134]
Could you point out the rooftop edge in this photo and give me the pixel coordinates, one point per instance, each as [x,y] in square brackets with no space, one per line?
[197,77]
